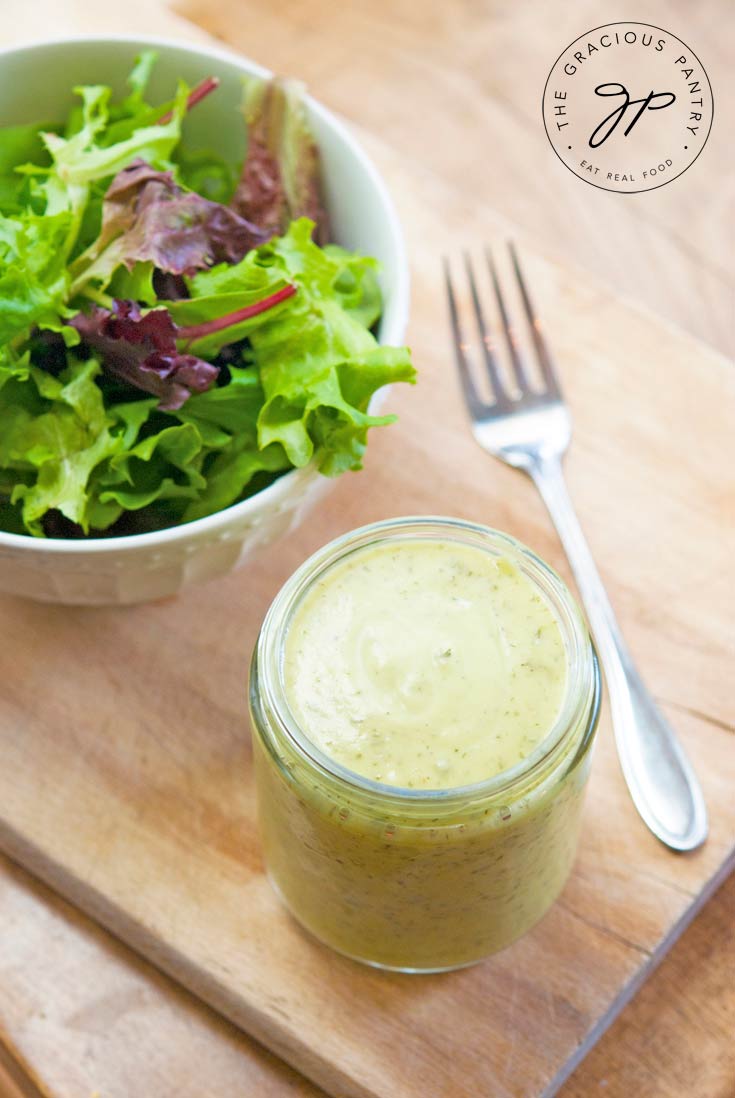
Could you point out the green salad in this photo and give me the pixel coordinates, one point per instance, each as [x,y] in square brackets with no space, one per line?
[175,331]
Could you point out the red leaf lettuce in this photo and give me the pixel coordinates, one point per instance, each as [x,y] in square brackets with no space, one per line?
[141,350]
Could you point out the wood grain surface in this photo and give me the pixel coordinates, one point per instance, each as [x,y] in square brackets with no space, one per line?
[457,87]
[93,1019]
[85,1015]
[691,1026]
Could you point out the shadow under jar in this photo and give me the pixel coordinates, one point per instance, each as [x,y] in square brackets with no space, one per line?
[410,819]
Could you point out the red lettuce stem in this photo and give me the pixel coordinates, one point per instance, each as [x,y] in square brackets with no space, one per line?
[195,95]
[198,331]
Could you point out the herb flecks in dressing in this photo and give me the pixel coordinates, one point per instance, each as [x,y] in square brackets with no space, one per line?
[425,664]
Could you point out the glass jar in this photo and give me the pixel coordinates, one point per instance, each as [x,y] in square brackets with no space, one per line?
[409,879]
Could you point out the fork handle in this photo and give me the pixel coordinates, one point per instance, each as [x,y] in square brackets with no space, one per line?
[664,788]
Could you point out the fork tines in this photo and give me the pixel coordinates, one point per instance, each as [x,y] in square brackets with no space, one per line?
[502,399]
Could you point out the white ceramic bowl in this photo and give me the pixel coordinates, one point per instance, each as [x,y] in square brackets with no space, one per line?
[35,84]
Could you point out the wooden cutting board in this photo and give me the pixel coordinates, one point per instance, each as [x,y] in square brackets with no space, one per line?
[126,779]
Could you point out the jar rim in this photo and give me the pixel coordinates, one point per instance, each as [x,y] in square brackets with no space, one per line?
[582,690]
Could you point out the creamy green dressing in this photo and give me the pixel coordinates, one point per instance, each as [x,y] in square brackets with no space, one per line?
[424,664]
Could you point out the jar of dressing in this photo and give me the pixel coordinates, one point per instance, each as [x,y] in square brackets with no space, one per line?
[424,696]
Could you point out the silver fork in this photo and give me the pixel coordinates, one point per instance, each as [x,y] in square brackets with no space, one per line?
[531,432]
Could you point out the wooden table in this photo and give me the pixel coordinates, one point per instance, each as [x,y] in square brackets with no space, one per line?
[80,1014]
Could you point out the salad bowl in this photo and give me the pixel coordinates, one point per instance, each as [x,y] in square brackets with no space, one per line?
[36,83]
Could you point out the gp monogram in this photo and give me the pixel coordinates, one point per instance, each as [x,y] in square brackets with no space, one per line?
[627,107]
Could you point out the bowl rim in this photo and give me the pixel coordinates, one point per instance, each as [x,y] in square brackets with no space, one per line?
[395,333]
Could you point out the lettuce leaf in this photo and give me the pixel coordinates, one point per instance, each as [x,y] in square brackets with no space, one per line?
[222,291]
[281,176]
[33,275]
[19,145]
[233,410]
[317,362]
[148,217]
[84,158]
[140,349]
[161,466]
[60,445]
[206,173]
